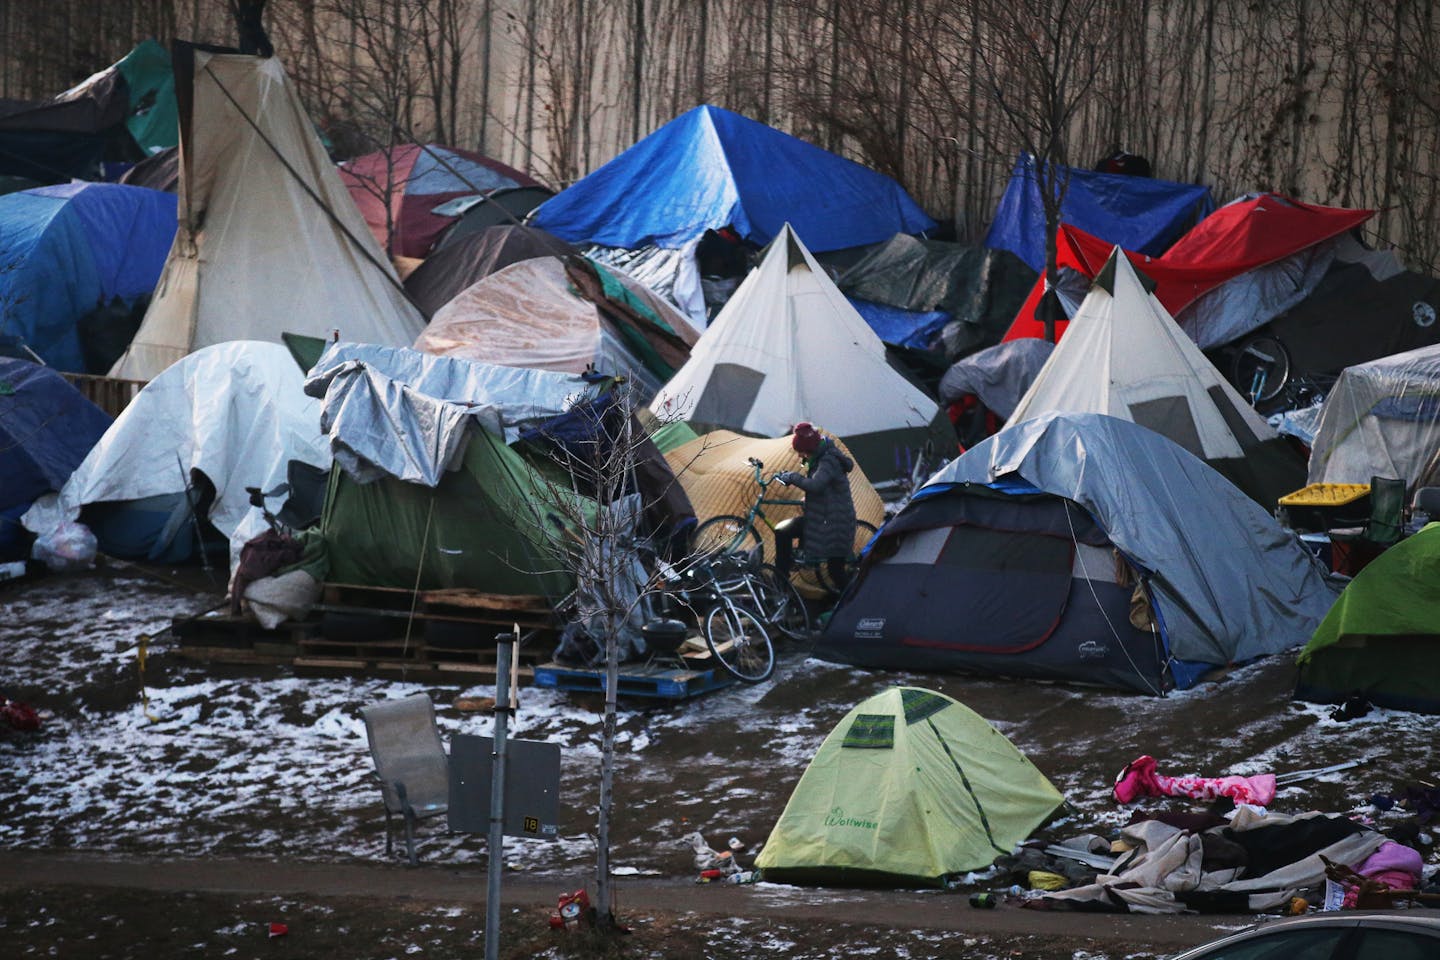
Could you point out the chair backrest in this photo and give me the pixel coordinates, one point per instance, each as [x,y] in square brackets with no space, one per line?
[405,745]
[1427,501]
[1387,509]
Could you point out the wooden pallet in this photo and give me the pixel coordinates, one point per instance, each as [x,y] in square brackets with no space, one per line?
[340,639]
[452,605]
[652,681]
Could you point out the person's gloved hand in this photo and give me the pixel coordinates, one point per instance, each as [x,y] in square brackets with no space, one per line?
[786,477]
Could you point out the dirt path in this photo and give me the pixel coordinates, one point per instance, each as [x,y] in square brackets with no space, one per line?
[441,885]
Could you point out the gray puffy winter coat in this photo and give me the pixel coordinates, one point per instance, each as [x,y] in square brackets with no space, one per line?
[829,508]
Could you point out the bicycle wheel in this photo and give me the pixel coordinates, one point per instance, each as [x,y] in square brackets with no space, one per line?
[813,578]
[739,641]
[1261,368]
[783,607]
[726,534]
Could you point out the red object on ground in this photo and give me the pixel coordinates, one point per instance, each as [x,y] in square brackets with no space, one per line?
[19,716]
[1235,239]
[278,930]
[416,180]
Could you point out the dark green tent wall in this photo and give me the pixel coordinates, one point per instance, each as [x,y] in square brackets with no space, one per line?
[479,529]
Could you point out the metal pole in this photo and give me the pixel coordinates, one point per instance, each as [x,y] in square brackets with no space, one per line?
[505,649]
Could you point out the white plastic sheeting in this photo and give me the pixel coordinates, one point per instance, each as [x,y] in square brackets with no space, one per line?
[237,412]
[1382,419]
[395,412]
[528,315]
[1230,584]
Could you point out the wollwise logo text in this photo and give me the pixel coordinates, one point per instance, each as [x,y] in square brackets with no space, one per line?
[837,818]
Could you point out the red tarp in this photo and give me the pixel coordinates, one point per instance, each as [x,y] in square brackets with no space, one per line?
[416,180]
[1239,237]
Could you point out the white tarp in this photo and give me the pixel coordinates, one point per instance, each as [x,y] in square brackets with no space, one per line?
[1230,583]
[389,411]
[1124,356]
[788,347]
[270,241]
[236,412]
[1382,419]
[529,315]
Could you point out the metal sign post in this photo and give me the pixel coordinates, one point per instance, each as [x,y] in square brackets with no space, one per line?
[495,847]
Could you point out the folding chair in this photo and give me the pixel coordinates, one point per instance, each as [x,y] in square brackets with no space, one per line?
[411,766]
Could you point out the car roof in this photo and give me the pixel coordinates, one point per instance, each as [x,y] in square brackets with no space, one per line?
[1427,921]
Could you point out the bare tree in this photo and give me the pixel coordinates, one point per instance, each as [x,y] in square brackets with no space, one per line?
[593,514]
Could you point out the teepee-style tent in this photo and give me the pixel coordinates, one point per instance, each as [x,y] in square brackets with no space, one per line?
[269,241]
[788,347]
[1125,357]
[910,787]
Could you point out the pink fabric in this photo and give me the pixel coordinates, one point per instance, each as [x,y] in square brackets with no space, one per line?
[1394,864]
[1140,779]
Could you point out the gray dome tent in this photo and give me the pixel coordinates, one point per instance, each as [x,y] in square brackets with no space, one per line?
[1024,557]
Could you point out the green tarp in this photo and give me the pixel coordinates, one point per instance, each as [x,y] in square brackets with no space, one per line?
[481,528]
[154,122]
[910,788]
[1381,639]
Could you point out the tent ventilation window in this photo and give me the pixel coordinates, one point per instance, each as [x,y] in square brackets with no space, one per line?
[920,704]
[871,731]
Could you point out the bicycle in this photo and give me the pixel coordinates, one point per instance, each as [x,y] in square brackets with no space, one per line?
[735,636]
[731,534]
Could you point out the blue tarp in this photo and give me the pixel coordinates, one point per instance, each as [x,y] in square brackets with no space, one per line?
[1137,213]
[709,168]
[46,429]
[67,248]
[904,328]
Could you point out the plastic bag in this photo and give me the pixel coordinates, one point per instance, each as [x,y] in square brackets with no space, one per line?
[69,547]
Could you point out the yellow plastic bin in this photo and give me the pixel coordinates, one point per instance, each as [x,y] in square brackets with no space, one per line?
[1321,506]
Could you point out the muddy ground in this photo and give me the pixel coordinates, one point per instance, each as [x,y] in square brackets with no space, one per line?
[199,765]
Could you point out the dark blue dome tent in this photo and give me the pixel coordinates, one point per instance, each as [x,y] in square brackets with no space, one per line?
[1081,548]
[78,263]
[46,429]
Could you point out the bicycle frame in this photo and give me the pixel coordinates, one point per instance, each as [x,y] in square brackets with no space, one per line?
[757,508]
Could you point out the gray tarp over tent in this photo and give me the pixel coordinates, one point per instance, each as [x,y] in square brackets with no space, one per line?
[1233,583]
[999,376]
[1227,582]
[395,412]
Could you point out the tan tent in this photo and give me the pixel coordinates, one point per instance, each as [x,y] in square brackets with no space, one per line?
[715,471]
[269,240]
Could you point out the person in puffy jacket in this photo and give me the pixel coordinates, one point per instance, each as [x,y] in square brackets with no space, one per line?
[826,530]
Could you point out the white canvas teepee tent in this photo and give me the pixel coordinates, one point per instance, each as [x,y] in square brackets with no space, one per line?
[269,240]
[1123,355]
[788,347]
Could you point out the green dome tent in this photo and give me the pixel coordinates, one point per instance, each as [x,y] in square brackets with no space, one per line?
[909,788]
[1382,637]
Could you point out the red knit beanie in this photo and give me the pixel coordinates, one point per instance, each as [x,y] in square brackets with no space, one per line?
[805,439]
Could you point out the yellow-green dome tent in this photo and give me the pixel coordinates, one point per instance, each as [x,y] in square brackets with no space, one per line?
[911,787]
